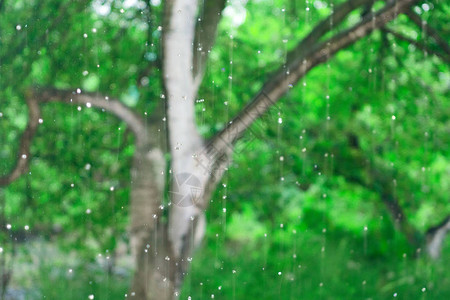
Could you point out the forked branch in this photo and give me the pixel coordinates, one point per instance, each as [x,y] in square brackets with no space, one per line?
[113,106]
[429,31]
[23,154]
[298,66]
[135,123]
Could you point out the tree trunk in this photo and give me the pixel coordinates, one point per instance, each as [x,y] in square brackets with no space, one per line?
[435,238]
[152,278]
[163,250]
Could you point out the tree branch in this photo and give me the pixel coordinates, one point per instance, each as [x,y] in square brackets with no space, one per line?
[205,36]
[135,123]
[338,16]
[428,30]
[297,67]
[113,106]
[417,44]
[23,154]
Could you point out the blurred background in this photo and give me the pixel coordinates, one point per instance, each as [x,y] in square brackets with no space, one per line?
[329,196]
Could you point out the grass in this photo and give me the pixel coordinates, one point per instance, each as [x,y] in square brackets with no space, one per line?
[281,265]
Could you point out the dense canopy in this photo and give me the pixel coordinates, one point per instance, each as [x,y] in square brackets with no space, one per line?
[265,149]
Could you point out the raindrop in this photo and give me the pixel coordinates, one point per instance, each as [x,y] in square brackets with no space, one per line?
[41,121]
[27,227]
[88,211]
[18,27]
[91,296]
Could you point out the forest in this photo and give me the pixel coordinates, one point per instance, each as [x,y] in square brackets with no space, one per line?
[224,149]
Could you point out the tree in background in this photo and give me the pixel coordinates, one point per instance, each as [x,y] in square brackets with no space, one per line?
[163,234]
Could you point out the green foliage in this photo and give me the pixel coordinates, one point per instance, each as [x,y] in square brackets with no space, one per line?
[370,124]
